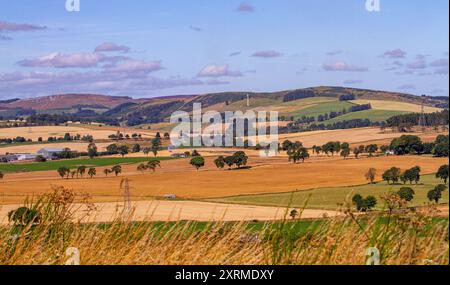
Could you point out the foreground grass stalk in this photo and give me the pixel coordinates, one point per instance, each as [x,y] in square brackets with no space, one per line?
[406,238]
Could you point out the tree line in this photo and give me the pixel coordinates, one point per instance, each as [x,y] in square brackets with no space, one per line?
[238,159]
[394,175]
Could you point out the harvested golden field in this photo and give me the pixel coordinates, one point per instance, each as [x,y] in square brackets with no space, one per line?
[352,136]
[166,211]
[267,175]
[59,131]
[396,106]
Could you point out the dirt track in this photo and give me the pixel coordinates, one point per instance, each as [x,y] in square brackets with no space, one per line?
[186,210]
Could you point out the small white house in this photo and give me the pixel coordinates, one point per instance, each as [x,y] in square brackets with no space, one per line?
[25,156]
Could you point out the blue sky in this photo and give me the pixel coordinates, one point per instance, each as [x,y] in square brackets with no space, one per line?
[152,48]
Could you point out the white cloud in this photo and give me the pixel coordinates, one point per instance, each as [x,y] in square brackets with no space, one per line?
[342,66]
[218,71]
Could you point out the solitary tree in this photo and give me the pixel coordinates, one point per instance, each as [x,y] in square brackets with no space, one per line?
[142,167]
[220,162]
[123,150]
[112,149]
[117,169]
[392,174]
[81,170]
[356,152]
[146,150]
[24,216]
[345,153]
[443,173]
[63,172]
[364,204]
[358,201]
[229,161]
[136,148]
[286,145]
[436,194]
[406,193]
[153,165]
[197,162]
[2,175]
[411,175]
[294,213]
[92,150]
[92,172]
[156,145]
[241,159]
[371,175]
[371,149]
[317,149]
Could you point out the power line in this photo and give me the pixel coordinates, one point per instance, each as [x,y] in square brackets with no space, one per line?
[423,119]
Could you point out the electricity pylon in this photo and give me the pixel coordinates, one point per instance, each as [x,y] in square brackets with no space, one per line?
[423,119]
[125,185]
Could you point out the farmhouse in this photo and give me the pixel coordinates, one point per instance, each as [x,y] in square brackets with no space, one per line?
[50,153]
[8,158]
[25,156]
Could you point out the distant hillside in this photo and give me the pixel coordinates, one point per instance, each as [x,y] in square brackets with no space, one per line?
[291,104]
[66,101]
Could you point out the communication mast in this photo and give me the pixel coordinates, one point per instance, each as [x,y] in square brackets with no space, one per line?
[422,119]
[248,101]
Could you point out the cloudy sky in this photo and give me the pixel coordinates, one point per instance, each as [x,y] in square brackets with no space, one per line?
[166,47]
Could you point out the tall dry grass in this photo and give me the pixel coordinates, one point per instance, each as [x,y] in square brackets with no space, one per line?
[401,238]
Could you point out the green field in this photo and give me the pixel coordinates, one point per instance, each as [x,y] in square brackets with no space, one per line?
[373,115]
[72,163]
[321,109]
[330,198]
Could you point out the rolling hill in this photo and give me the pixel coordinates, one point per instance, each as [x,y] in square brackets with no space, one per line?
[292,104]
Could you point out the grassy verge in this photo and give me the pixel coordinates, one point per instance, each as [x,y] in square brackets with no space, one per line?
[45,232]
[71,163]
[330,198]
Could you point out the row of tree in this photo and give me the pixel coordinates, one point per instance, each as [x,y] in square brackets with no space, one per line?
[409,144]
[151,165]
[431,119]
[396,199]
[80,171]
[395,175]
[239,159]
